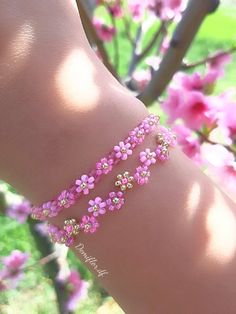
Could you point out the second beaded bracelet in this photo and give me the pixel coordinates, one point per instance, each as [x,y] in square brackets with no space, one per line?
[115,199]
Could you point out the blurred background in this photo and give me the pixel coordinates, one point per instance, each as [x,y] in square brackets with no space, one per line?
[197,99]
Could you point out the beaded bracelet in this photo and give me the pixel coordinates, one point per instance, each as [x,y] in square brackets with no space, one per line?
[85,183]
[115,199]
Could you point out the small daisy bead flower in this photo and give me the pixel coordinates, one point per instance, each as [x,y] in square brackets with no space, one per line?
[50,209]
[166,136]
[123,150]
[115,200]
[104,166]
[97,207]
[85,183]
[137,136]
[89,224]
[71,227]
[150,123]
[36,213]
[142,175]
[147,157]
[66,199]
[56,234]
[162,153]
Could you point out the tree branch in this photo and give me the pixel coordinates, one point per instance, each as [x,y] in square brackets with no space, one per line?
[93,37]
[152,41]
[187,66]
[183,36]
[206,139]
[115,40]
[136,48]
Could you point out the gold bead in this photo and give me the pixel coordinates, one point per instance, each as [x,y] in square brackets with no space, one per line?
[126,174]
[123,187]
[139,134]
[117,183]
[131,179]
[63,240]
[119,177]
[115,200]
[129,185]
[105,165]
[87,226]
[159,138]
[46,212]
[95,207]
[63,202]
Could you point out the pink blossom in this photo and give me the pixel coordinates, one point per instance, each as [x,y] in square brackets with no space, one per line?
[195,81]
[227,117]
[89,224]
[85,183]
[19,211]
[123,150]
[105,32]
[195,109]
[137,8]
[166,9]
[198,111]
[41,228]
[219,61]
[97,207]
[222,166]
[77,290]
[173,104]
[115,8]
[13,267]
[141,79]
[189,143]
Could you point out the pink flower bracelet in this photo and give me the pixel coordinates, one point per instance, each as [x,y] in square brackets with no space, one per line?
[86,182]
[116,198]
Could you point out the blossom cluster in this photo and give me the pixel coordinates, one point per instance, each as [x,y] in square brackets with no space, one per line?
[163,9]
[13,269]
[205,123]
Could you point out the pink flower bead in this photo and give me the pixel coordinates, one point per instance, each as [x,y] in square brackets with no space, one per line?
[147,157]
[168,135]
[56,234]
[142,175]
[162,153]
[104,166]
[85,184]
[50,209]
[66,199]
[137,136]
[115,200]
[97,207]
[89,224]
[123,150]
[150,123]
[70,241]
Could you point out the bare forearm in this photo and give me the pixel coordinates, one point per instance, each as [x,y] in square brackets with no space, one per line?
[61,111]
